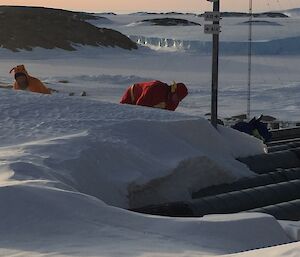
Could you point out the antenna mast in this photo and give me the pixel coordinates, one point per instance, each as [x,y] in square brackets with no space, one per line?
[250,58]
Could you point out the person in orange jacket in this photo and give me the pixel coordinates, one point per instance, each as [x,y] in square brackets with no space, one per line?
[25,82]
[155,94]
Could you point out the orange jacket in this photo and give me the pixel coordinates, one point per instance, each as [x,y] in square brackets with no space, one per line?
[34,84]
[154,94]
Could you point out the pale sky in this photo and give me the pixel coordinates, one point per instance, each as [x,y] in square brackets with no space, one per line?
[125,6]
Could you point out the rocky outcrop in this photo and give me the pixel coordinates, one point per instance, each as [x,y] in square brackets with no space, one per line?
[170,22]
[29,27]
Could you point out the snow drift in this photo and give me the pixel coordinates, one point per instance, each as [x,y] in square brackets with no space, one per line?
[40,220]
[61,157]
[111,151]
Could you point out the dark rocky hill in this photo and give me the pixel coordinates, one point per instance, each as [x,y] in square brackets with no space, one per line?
[29,27]
[171,22]
[256,15]
[261,23]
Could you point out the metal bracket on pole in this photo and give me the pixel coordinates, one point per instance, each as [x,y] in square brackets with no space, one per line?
[212,29]
[212,16]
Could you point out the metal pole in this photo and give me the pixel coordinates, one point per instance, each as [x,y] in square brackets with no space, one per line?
[249,60]
[215,72]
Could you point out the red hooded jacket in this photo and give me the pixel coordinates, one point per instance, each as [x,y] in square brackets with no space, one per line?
[154,94]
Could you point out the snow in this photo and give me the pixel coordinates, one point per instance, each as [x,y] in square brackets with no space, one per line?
[61,157]
[105,151]
[43,220]
[181,54]
[106,73]
[292,228]
[57,152]
[67,164]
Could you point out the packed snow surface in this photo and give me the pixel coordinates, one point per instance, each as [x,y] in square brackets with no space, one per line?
[106,73]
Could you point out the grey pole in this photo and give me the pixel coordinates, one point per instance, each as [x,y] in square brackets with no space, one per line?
[215,71]
[249,60]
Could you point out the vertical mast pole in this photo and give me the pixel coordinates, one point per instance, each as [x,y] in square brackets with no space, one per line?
[215,70]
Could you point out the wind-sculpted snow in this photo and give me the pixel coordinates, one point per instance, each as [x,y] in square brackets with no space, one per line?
[116,153]
[40,220]
[61,157]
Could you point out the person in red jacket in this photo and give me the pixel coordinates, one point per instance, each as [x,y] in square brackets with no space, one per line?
[155,94]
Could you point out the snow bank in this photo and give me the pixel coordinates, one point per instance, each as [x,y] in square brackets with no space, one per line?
[39,220]
[292,228]
[61,156]
[112,151]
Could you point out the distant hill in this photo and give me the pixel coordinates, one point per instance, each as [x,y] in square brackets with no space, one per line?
[162,13]
[170,22]
[107,13]
[293,12]
[143,13]
[283,14]
[29,27]
[256,15]
[174,13]
[271,15]
[261,23]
